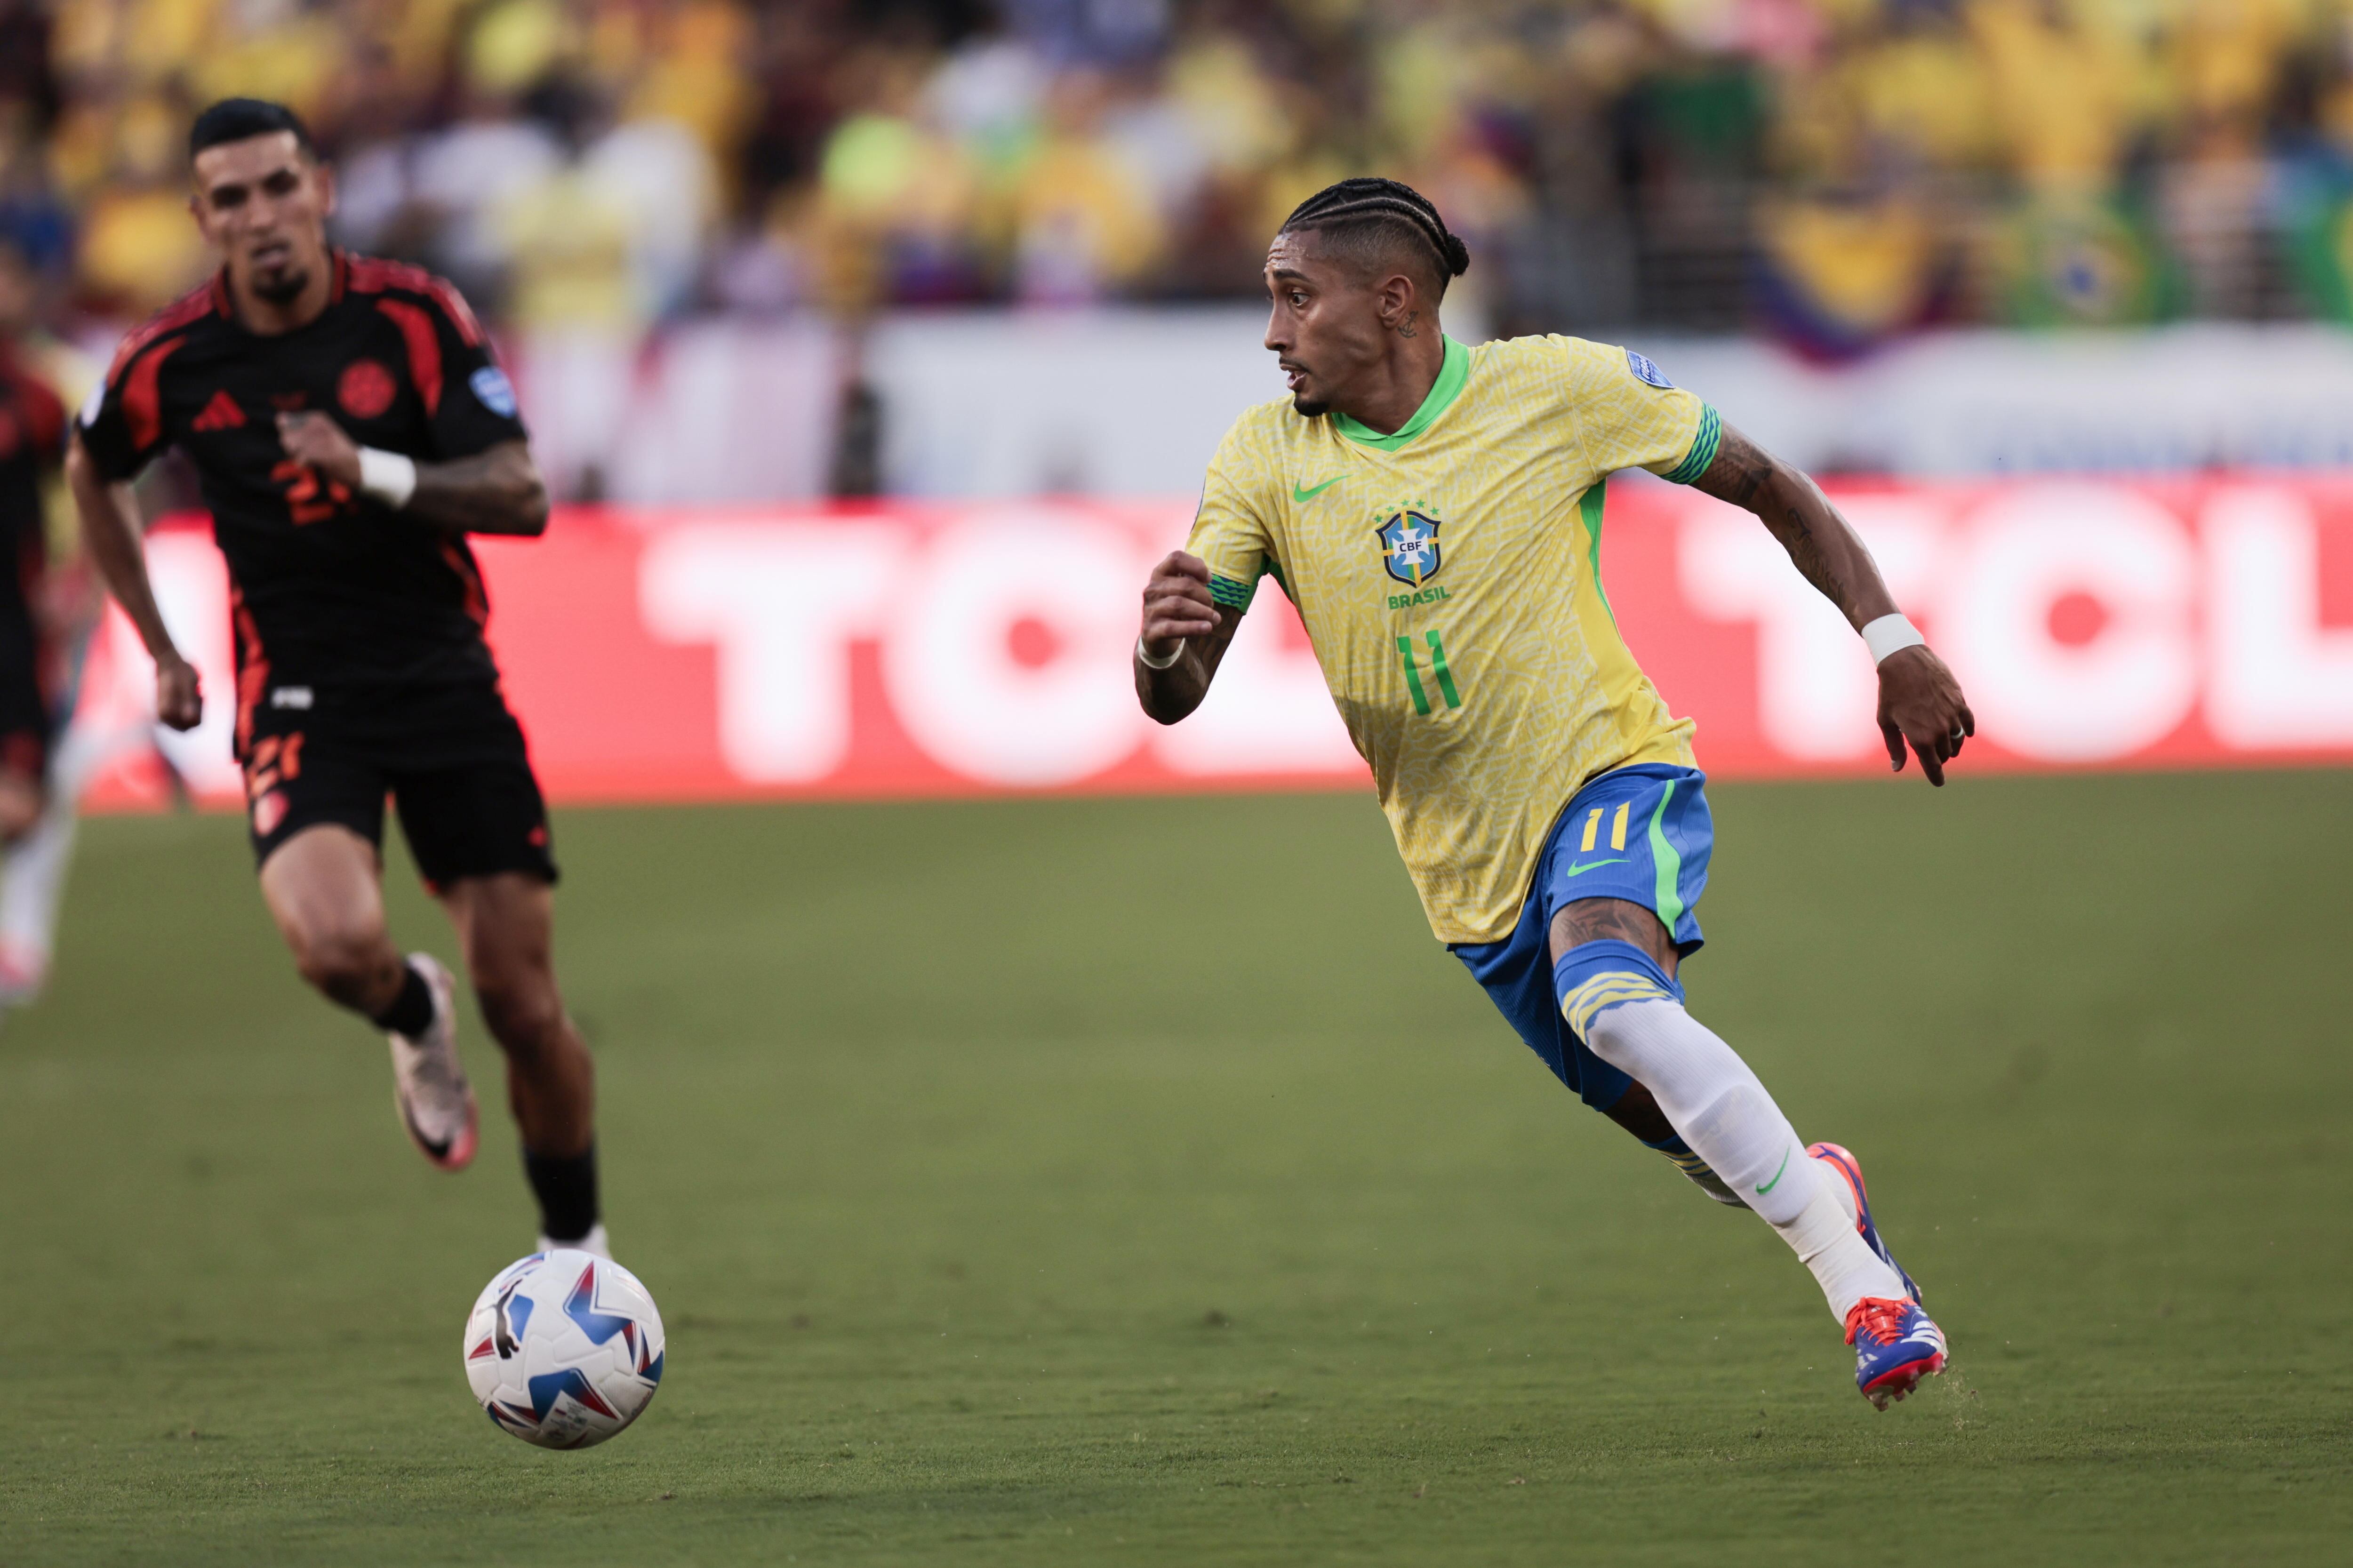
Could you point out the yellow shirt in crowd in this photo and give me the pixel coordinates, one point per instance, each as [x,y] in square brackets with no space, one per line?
[1450,576]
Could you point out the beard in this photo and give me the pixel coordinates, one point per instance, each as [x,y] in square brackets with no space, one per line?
[1309,407]
[282,287]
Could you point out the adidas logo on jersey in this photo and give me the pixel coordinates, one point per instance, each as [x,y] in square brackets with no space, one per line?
[221,413]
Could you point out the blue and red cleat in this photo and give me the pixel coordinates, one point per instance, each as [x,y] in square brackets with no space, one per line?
[1896,1343]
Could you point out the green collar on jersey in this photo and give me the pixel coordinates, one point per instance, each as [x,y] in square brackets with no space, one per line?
[1449,386]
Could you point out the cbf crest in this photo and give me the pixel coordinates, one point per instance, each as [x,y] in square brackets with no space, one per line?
[1409,546]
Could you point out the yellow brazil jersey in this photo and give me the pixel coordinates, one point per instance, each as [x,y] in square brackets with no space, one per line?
[1450,576]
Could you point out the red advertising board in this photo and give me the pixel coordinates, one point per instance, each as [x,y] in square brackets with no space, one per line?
[905,649]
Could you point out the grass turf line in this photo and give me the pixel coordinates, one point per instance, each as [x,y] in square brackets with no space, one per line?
[1134,1180]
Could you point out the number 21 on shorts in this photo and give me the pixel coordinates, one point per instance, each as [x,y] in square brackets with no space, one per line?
[1408,655]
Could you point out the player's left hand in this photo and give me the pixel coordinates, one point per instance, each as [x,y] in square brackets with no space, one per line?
[313,439]
[1920,703]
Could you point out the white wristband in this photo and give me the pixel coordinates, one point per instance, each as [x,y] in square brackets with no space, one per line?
[1151,663]
[387,476]
[1891,633]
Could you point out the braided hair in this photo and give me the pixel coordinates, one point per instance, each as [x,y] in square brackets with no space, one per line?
[1368,217]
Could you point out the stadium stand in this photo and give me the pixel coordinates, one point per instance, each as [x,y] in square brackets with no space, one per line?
[1839,169]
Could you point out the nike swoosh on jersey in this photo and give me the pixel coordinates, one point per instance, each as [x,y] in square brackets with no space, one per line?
[1299,495]
[1595,866]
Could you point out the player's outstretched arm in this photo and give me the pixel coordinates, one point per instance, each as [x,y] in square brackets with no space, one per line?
[1183,624]
[496,490]
[111,528]
[1919,700]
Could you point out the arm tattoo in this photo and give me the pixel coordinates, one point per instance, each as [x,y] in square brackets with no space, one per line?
[1739,473]
[1820,545]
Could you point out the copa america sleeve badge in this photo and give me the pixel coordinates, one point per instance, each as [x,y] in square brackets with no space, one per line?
[1644,369]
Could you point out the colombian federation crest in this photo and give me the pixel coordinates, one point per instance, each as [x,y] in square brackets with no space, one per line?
[1409,547]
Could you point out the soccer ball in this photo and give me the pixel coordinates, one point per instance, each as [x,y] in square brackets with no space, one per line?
[564,1349]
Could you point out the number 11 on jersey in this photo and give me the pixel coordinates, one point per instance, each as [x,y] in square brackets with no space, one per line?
[1407,654]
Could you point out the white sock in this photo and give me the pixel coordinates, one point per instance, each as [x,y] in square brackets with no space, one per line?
[33,881]
[1712,1097]
[1824,1239]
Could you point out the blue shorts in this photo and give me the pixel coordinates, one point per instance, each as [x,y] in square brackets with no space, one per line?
[1642,833]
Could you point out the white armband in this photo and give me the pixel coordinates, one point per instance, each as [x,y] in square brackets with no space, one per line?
[1150,662]
[387,476]
[1891,633]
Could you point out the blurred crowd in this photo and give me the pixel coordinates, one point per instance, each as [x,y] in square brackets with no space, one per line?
[1832,170]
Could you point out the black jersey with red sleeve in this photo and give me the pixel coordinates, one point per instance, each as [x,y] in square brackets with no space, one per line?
[336,593]
[32,439]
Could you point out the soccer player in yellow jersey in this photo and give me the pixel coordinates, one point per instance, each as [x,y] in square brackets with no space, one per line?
[1434,513]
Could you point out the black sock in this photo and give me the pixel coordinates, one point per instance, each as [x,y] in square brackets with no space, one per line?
[411,1013]
[565,1187]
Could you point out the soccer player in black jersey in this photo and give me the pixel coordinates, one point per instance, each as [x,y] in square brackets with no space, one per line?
[42,626]
[32,435]
[350,428]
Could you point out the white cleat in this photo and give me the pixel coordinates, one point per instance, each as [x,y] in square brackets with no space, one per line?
[429,1082]
[23,970]
[594,1244]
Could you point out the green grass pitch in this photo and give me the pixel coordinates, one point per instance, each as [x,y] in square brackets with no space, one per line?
[1136,1182]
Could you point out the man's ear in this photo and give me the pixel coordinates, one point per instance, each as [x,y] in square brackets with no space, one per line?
[1398,301]
[325,175]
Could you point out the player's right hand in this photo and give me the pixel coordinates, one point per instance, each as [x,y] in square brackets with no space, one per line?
[1176,602]
[1920,703]
[179,694]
